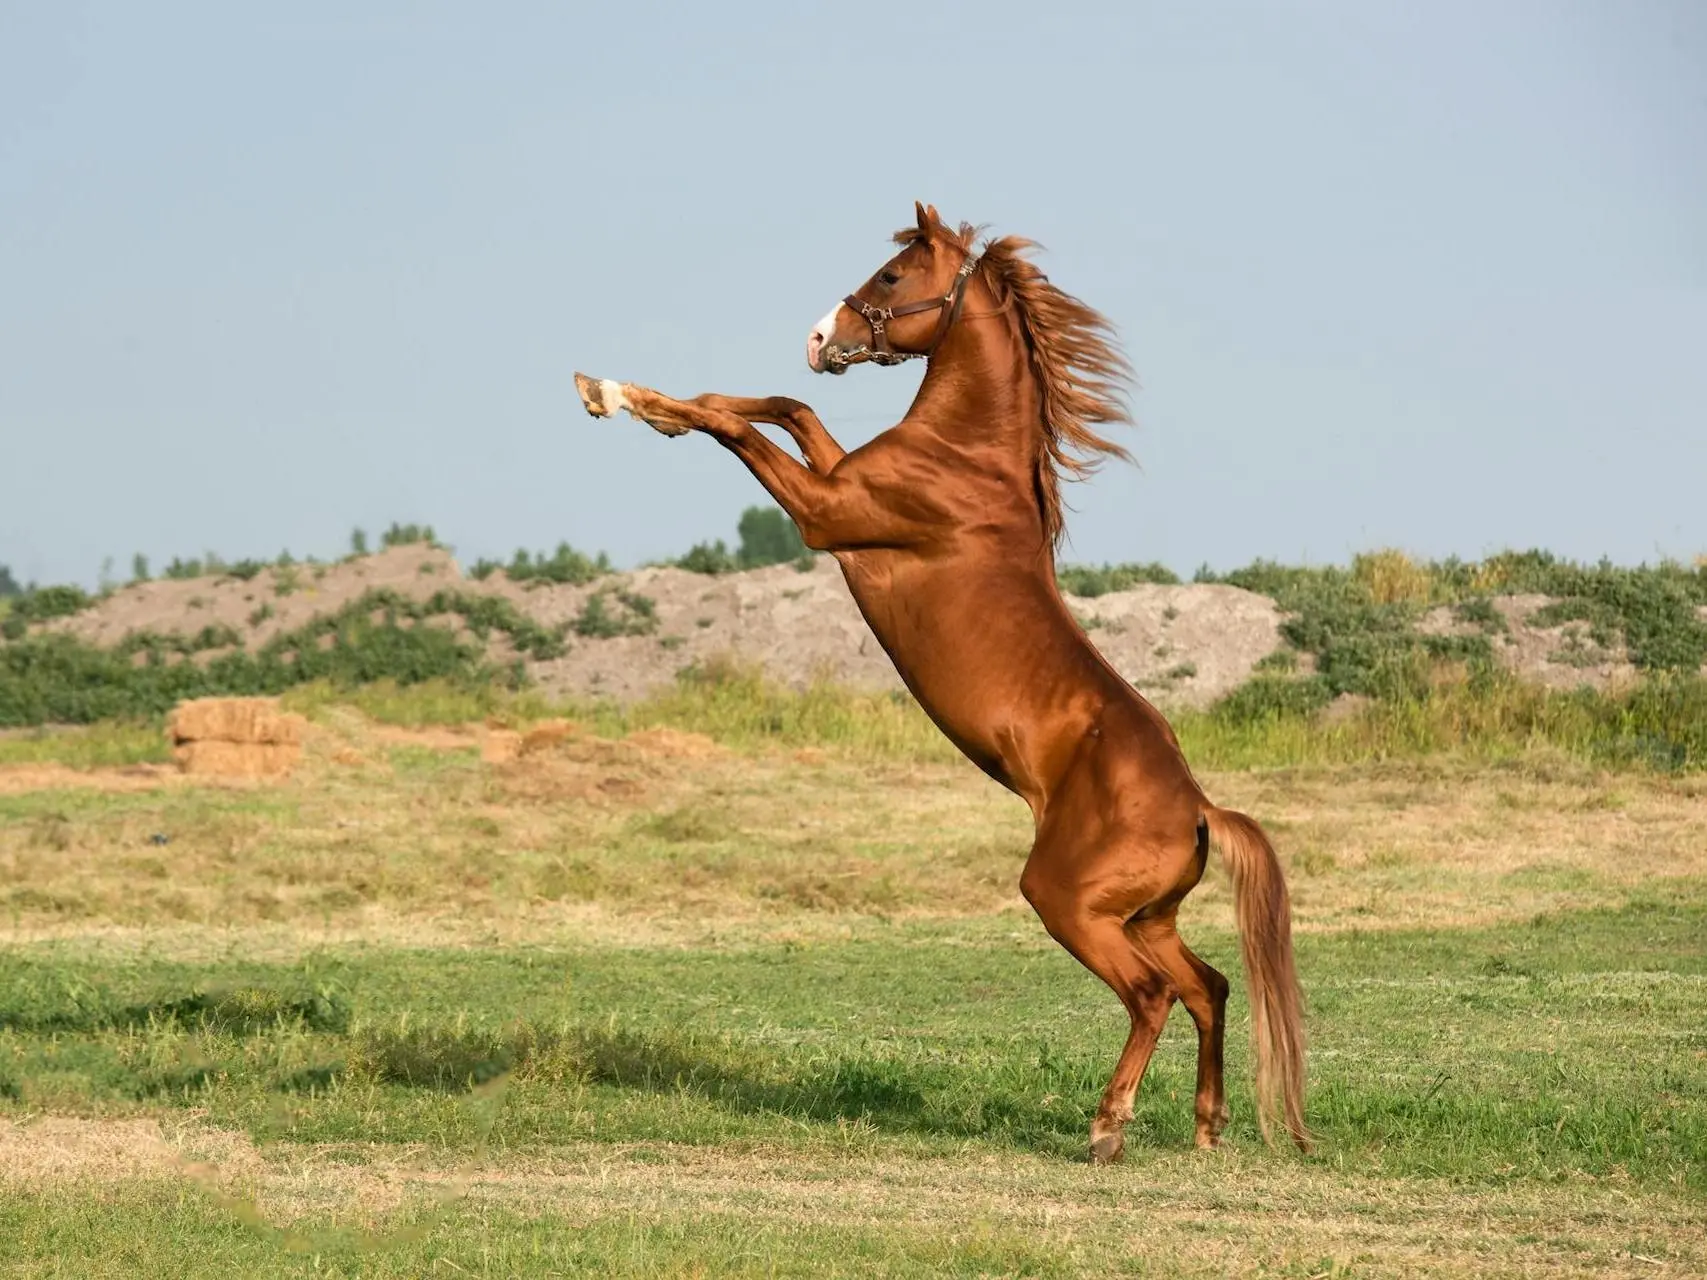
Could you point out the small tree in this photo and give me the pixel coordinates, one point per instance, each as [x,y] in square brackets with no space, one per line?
[768,536]
[708,557]
[358,542]
[403,535]
[139,568]
[8,584]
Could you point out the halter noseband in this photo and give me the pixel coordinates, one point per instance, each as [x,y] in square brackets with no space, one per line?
[878,318]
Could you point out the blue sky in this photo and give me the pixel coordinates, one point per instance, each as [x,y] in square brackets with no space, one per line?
[1432,276]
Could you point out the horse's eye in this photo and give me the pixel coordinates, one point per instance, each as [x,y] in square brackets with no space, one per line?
[889,277]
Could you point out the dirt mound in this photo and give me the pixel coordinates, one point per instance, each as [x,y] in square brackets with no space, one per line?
[631,634]
[1564,655]
[1182,646]
[235,737]
[274,600]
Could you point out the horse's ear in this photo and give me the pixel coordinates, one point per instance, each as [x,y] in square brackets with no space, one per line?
[927,216]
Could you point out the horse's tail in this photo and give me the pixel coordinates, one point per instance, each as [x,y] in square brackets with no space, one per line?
[1265,934]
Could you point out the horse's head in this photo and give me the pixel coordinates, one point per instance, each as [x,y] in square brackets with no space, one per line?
[904,310]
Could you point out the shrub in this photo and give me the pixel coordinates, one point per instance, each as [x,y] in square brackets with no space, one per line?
[39,604]
[768,536]
[709,558]
[403,535]
[637,616]
[381,636]
[1093,580]
[565,565]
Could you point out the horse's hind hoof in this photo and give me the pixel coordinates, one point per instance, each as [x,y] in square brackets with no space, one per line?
[602,398]
[1108,1149]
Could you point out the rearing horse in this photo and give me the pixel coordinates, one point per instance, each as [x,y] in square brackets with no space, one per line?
[945,527]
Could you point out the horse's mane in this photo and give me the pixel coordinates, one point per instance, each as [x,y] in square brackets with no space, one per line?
[1075,355]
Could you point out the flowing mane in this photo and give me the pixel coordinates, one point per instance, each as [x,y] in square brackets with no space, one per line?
[1074,353]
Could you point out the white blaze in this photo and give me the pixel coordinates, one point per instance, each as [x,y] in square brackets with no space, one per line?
[820,337]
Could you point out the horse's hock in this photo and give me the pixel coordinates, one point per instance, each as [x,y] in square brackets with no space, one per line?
[235,737]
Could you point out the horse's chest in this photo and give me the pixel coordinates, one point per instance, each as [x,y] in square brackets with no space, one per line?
[886,601]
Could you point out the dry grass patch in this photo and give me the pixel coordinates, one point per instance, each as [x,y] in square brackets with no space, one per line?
[667,827]
[1202,1215]
[1407,845]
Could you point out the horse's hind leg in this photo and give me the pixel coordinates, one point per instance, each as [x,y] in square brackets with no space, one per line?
[1091,923]
[1203,991]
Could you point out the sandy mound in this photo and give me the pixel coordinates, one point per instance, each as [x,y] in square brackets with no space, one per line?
[1182,646]
[1185,645]
[260,607]
[1565,656]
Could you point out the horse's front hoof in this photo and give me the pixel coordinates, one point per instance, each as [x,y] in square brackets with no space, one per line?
[602,397]
[1108,1149]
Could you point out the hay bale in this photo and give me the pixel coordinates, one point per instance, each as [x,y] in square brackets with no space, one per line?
[243,720]
[235,737]
[237,759]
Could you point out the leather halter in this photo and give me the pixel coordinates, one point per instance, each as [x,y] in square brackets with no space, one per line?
[878,318]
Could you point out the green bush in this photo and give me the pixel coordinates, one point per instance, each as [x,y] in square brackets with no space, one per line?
[1088,580]
[382,636]
[1360,623]
[709,558]
[39,604]
[768,536]
[403,535]
[565,566]
[636,616]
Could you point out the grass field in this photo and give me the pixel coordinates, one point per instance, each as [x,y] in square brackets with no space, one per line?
[660,1005]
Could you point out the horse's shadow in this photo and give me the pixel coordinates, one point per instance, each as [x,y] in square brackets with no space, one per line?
[1045,1104]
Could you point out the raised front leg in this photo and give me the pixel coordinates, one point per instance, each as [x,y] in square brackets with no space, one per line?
[836,508]
[816,444]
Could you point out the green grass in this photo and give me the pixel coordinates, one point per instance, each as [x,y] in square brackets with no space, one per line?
[1562,1052]
[149,1228]
[110,744]
[1271,722]
[770,1012]
[1562,1047]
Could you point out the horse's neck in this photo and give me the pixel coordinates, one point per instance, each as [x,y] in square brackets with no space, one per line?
[979,392]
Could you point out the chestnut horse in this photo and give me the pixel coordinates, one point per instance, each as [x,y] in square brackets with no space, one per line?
[945,527]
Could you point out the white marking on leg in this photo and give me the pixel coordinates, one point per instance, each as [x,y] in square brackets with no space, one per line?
[820,337]
[610,393]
